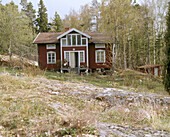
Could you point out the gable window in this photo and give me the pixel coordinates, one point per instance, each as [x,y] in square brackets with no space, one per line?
[100,56]
[83,41]
[69,40]
[82,59]
[51,57]
[50,46]
[74,40]
[64,42]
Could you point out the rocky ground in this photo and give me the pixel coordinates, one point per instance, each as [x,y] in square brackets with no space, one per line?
[108,98]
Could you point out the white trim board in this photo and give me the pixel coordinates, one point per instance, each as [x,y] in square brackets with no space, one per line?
[73,29]
[36,37]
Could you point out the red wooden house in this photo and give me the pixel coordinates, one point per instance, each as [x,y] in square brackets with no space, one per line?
[72,49]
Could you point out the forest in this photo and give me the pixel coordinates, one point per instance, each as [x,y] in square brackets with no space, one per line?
[137,30]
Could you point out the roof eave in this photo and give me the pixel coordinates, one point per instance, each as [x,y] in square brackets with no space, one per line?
[73,29]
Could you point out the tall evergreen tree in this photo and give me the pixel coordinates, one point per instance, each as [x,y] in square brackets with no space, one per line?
[56,25]
[167,53]
[42,20]
[27,8]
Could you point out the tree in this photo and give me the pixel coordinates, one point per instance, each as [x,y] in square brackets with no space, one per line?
[95,13]
[42,20]
[27,8]
[167,53]
[56,25]
[16,35]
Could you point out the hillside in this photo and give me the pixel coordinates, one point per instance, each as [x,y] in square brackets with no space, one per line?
[37,106]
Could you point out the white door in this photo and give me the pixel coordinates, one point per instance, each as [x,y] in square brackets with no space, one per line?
[72,58]
[156,71]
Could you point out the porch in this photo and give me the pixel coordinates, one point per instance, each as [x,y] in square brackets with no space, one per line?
[77,70]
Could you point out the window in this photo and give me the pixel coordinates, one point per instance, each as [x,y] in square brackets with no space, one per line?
[99,45]
[82,57]
[51,46]
[100,56]
[74,40]
[83,41]
[67,56]
[69,40]
[51,57]
[64,42]
[78,39]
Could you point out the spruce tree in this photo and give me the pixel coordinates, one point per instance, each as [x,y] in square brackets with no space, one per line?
[57,23]
[167,53]
[42,20]
[27,8]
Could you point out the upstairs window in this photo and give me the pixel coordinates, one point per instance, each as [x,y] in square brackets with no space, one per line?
[51,46]
[74,40]
[83,41]
[64,42]
[51,57]
[100,56]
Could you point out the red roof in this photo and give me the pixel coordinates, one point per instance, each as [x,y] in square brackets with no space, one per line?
[46,37]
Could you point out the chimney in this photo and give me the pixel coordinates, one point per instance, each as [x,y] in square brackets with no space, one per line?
[66,29]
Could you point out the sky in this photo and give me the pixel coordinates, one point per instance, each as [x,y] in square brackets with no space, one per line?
[62,7]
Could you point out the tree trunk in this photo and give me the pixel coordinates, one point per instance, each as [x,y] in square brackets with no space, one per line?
[124,53]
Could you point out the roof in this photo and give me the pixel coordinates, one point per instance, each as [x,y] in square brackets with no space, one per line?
[150,66]
[47,37]
[73,29]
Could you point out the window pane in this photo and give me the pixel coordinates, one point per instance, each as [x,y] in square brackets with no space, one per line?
[74,39]
[98,56]
[102,56]
[83,41]
[78,39]
[81,56]
[67,56]
[64,42]
[68,39]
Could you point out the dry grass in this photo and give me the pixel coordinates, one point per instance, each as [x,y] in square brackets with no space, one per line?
[25,110]
[157,118]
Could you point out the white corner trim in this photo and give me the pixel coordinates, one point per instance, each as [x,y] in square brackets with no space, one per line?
[73,29]
[36,37]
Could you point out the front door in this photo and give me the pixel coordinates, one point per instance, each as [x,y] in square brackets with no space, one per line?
[74,59]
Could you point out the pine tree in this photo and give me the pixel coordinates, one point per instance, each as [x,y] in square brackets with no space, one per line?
[42,20]
[167,53]
[56,25]
[27,8]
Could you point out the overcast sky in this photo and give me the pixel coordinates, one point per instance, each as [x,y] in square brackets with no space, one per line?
[63,7]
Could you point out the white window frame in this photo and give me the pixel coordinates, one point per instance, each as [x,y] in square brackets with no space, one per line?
[99,46]
[48,53]
[65,40]
[48,46]
[66,56]
[82,61]
[100,56]
[81,43]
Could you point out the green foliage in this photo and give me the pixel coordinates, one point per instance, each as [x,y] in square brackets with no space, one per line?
[27,8]
[167,53]
[42,20]
[56,25]
[15,33]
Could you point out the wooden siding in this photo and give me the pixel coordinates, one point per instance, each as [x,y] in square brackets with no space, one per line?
[92,58]
[42,58]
